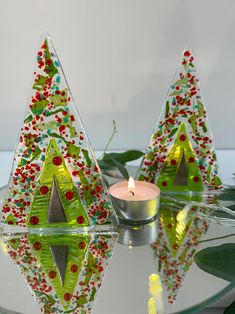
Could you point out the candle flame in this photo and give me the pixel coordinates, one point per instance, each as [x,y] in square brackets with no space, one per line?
[131,185]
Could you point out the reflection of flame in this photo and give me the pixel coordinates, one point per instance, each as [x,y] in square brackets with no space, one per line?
[155,303]
[3,247]
[131,185]
[152,309]
[181,223]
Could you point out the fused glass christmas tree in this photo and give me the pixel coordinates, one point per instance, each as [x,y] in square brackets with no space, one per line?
[180,155]
[63,271]
[55,179]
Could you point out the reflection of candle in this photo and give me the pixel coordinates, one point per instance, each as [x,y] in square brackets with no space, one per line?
[155,289]
[152,309]
[135,200]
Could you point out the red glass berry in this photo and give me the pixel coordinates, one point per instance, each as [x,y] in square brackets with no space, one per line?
[69,195]
[80,220]
[82,245]
[10,222]
[52,274]
[44,189]
[74,268]
[182,137]
[191,159]
[34,220]
[57,160]
[164,183]
[99,189]
[37,246]
[67,296]
[196,179]
[173,162]
[187,53]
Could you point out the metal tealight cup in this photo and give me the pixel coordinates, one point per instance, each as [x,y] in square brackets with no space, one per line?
[136,211]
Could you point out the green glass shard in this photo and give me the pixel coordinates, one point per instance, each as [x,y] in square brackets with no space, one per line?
[61,257]
[180,171]
[56,202]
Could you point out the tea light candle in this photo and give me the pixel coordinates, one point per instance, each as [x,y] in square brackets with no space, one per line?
[135,200]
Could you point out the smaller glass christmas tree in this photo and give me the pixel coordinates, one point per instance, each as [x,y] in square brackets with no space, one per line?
[180,155]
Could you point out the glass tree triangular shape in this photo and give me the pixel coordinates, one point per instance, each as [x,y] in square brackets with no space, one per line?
[184,104]
[56,201]
[60,257]
[180,171]
[55,211]
[176,225]
[51,114]
[88,258]
[181,177]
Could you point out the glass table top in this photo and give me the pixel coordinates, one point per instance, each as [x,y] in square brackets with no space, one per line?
[191,245]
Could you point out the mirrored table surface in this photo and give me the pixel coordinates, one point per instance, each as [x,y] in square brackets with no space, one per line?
[190,245]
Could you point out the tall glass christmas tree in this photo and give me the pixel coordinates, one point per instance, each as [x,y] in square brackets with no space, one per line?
[180,155]
[55,179]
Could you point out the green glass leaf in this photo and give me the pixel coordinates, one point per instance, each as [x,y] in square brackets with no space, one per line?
[39,106]
[40,82]
[60,99]
[167,109]
[172,132]
[48,114]
[217,181]
[200,109]
[193,121]
[28,119]
[175,93]
[212,260]
[50,68]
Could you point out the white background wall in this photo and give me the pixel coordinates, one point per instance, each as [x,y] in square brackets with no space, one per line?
[119,57]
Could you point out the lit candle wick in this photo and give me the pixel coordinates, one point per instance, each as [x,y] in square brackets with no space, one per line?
[131,186]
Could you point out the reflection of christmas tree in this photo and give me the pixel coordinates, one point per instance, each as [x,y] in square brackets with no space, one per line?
[179,233]
[64,271]
[56,201]
[184,110]
[62,258]
[52,115]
